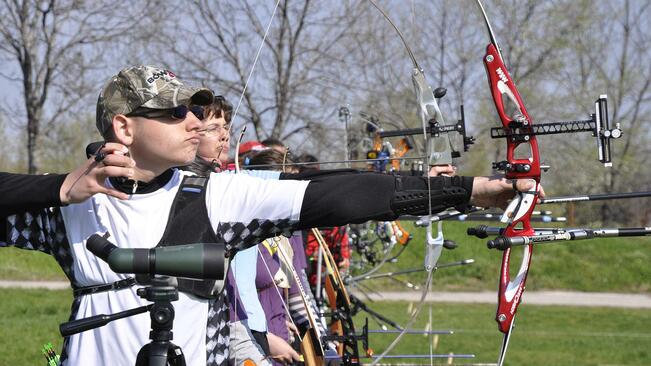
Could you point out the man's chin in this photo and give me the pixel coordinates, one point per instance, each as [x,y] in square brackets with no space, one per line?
[186,160]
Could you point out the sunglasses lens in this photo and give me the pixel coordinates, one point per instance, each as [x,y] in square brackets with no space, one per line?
[197,111]
[179,112]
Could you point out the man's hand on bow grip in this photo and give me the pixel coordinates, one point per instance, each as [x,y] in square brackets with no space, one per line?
[448,170]
[496,191]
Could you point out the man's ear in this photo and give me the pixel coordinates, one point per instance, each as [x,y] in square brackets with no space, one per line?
[123,129]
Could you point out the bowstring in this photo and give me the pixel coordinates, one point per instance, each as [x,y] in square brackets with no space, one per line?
[428,148]
[255,61]
[237,108]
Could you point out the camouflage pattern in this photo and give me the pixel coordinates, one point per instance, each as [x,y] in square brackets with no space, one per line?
[145,86]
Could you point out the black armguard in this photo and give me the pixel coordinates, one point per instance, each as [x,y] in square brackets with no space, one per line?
[339,199]
[411,195]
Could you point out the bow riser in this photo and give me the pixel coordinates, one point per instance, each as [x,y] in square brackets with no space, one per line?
[517,128]
[506,96]
[440,148]
[512,112]
[310,347]
[510,292]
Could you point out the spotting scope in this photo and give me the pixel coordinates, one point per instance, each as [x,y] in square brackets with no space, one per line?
[196,261]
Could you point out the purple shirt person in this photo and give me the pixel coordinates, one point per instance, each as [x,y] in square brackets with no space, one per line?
[272,298]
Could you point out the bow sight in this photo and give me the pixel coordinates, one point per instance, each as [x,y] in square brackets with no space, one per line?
[520,131]
[435,126]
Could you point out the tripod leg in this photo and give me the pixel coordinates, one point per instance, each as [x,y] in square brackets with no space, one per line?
[175,355]
[160,354]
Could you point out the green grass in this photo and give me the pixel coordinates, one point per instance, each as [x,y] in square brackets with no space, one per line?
[30,319]
[600,265]
[551,335]
[29,265]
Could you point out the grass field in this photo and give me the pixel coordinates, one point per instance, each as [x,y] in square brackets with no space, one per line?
[550,335]
[600,265]
[29,265]
[544,335]
[30,319]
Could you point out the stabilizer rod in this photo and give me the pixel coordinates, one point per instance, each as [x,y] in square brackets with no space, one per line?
[502,243]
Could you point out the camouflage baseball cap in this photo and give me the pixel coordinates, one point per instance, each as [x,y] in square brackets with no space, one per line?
[144,86]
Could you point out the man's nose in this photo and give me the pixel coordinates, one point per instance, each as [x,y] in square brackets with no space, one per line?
[192,122]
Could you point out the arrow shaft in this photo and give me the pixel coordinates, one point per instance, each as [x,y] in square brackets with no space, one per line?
[595,197]
[407,271]
[334,162]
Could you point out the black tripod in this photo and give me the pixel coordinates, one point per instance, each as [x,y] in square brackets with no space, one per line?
[160,351]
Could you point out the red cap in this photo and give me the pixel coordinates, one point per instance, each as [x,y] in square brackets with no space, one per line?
[251,146]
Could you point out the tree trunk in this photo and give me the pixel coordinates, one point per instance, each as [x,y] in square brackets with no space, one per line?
[31,149]
[32,136]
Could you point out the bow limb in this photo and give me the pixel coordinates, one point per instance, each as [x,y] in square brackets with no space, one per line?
[513,114]
[330,264]
[237,149]
[342,324]
[439,152]
[439,145]
[311,346]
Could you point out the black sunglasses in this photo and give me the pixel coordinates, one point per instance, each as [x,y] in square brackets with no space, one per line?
[178,112]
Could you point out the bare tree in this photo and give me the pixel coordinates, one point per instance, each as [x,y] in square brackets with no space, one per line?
[55,46]
[65,147]
[612,57]
[284,95]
